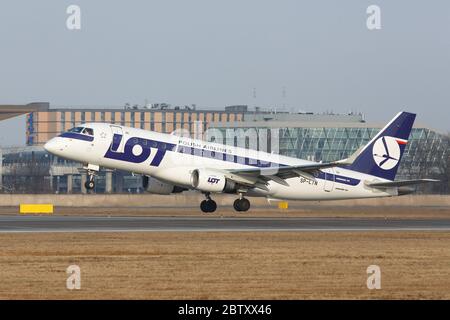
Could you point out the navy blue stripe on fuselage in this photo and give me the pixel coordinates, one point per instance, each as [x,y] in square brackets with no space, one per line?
[77,136]
[260,163]
[338,179]
[228,157]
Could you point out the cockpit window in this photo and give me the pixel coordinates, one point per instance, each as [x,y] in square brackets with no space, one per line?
[76,129]
[83,130]
[88,131]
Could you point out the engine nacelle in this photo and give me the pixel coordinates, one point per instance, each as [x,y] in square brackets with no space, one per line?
[208,180]
[155,186]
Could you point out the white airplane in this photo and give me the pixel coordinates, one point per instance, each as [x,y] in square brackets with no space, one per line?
[171,164]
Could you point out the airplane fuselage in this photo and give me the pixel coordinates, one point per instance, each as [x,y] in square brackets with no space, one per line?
[172,159]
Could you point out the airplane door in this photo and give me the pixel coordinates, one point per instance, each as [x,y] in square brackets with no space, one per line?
[118,140]
[329,180]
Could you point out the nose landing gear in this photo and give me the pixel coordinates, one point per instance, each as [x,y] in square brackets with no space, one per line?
[91,171]
[208,205]
[90,183]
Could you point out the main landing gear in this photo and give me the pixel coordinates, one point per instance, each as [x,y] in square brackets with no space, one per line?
[242,204]
[208,205]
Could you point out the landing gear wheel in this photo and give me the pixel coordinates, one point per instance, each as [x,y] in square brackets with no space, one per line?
[208,206]
[89,185]
[241,205]
[204,206]
[236,205]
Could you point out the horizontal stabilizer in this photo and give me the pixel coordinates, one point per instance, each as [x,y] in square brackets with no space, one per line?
[391,184]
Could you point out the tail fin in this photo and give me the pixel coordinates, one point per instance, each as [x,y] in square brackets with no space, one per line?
[381,157]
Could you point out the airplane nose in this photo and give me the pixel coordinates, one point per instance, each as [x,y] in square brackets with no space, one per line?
[51,145]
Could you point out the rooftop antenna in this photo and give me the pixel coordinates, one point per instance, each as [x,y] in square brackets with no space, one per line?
[283,94]
[254,97]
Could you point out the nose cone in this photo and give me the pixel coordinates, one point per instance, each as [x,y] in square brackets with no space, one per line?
[52,146]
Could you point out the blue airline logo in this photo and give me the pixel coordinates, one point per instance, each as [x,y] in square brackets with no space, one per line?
[137,150]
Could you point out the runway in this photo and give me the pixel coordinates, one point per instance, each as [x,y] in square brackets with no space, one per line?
[211,223]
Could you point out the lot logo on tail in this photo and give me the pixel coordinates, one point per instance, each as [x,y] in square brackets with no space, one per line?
[386,152]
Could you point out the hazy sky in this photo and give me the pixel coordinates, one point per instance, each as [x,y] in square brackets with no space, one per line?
[213,53]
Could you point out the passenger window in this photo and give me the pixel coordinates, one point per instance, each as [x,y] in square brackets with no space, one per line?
[88,131]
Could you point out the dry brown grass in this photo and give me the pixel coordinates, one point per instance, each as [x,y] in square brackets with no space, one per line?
[235,265]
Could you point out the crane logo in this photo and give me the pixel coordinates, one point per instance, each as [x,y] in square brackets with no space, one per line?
[386,152]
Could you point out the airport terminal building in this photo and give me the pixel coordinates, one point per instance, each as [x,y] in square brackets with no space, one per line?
[317,137]
[47,123]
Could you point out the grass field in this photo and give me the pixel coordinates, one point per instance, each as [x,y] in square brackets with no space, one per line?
[235,265]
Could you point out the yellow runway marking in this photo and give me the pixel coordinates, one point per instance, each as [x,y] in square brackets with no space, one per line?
[36,208]
[283,205]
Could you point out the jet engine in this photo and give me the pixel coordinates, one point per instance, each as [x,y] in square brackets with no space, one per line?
[153,185]
[208,180]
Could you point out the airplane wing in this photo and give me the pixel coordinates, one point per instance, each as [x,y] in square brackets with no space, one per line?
[258,177]
[391,184]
